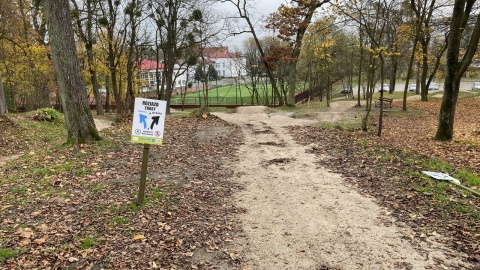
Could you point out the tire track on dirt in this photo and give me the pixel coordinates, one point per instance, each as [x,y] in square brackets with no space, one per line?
[299,216]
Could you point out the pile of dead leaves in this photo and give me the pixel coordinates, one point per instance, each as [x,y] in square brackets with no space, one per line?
[389,169]
[73,207]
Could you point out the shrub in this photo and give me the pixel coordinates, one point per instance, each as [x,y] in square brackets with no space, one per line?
[47,114]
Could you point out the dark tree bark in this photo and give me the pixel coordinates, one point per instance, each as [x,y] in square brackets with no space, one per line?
[78,118]
[456,67]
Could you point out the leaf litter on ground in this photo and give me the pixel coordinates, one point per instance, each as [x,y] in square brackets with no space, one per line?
[74,206]
[388,168]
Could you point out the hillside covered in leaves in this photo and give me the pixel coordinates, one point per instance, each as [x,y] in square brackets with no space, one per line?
[389,167]
[73,207]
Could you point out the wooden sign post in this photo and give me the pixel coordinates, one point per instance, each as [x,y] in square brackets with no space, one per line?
[147,128]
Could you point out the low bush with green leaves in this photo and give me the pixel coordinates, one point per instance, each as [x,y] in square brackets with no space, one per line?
[47,114]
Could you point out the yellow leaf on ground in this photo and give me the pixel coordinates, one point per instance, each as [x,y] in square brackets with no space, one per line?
[138,237]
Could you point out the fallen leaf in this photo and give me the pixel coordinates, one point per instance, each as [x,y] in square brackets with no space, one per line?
[43,228]
[72,259]
[25,232]
[138,237]
[40,241]
[25,242]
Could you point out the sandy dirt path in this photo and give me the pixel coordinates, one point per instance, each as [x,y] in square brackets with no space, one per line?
[299,216]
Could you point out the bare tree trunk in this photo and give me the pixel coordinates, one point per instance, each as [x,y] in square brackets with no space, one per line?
[3,102]
[360,68]
[409,71]
[423,82]
[380,116]
[107,95]
[91,60]
[78,118]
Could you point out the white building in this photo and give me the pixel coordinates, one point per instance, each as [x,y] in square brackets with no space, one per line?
[227,64]
[148,76]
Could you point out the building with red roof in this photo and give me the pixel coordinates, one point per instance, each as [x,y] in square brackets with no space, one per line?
[226,63]
[148,75]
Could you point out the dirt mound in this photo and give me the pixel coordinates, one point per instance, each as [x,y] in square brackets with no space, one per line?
[253,110]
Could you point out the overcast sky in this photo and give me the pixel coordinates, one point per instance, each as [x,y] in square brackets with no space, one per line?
[261,8]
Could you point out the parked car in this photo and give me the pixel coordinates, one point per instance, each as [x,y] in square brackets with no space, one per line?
[384,88]
[476,86]
[412,87]
[345,90]
[433,86]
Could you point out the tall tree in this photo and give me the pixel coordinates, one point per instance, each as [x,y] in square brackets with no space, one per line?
[3,103]
[456,64]
[243,13]
[78,118]
[26,68]
[133,12]
[86,34]
[322,41]
[178,24]
[110,10]
[292,23]
[424,11]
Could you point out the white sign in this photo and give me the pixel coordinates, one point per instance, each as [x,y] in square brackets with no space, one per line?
[148,121]
[442,176]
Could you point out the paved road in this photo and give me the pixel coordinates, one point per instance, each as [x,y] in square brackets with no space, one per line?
[463,86]
[399,87]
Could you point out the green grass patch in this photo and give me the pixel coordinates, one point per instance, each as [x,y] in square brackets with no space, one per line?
[51,170]
[119,221]
[19,190]
[230,94]
[7,253]
[350,125]
[468,94]
[133,207]
[467,178]
[98,188]
[397,95]
[87,242]
[363,142]
[430,186]
[53,133]
[305,107]
[437,165]
[157,193]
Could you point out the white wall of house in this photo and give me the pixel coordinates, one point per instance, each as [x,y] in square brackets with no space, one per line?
[226,67]
[149,81]
[230,67]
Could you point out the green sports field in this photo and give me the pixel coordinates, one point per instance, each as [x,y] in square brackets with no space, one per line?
[225,95]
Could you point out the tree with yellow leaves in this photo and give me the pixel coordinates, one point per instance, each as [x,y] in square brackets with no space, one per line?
[292,22]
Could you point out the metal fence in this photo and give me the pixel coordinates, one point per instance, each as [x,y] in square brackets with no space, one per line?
[221,101]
